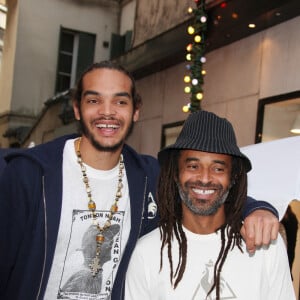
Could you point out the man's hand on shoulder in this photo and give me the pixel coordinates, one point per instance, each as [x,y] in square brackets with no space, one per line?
[259,228]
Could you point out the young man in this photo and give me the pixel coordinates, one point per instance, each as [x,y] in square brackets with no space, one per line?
[198,251]
[72,210]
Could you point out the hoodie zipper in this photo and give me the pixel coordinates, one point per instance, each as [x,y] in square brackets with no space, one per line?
[140,227]
[45,246]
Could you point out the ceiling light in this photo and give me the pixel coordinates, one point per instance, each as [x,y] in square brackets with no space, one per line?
[296,125]
[3,8]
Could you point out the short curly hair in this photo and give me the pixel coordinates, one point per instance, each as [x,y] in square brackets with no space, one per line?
[77,92]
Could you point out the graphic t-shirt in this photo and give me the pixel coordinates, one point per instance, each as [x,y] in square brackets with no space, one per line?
[71,276]
[262,276]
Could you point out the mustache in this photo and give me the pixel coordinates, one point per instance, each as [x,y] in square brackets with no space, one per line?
[200,184]
[106,118]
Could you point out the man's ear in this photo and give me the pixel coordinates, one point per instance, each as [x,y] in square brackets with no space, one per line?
[233,180]
[136,115]
[76,110]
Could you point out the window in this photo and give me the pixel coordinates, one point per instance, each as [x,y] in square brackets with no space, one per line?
[120,44]
[277,116]
[170,133]
[76,53]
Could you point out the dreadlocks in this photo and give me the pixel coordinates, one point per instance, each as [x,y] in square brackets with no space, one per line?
[170,210]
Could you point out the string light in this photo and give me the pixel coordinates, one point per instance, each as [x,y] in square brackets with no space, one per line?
[186,108]
[187,89]
[197,38]
[195,57]
[199,96]
[194,81]
[203,59]
[187,79]
[191,30]
[189,47]
[203,19]
[223,4]
[189,57]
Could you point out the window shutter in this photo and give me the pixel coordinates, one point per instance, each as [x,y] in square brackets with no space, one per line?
[86,52]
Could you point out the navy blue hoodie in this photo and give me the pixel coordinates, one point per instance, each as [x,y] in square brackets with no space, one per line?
[30,207]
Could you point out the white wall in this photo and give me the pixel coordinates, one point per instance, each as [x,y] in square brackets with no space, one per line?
[38,32]
[127,17]
[8,56]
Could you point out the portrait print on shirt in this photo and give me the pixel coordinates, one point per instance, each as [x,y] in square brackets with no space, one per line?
[77,278]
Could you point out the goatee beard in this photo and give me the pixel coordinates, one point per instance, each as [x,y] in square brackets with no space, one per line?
[84,130]
[207,211]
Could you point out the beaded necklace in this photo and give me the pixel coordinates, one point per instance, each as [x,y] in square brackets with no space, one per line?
[95,265]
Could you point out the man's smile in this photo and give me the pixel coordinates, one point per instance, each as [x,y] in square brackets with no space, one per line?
[202,192]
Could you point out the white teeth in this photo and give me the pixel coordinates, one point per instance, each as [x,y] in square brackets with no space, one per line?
[203,192]
[107,126]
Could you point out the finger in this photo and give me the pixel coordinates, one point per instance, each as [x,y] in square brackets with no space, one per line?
[259,233]
[274,231]
[266,235]
[247,233]
[270,231]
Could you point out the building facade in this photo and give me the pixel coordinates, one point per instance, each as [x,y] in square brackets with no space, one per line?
[252,74]
[46,45]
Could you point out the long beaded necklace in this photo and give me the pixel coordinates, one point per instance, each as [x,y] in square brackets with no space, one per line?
[95,265]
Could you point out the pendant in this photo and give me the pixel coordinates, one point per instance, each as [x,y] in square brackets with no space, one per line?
[95,266]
